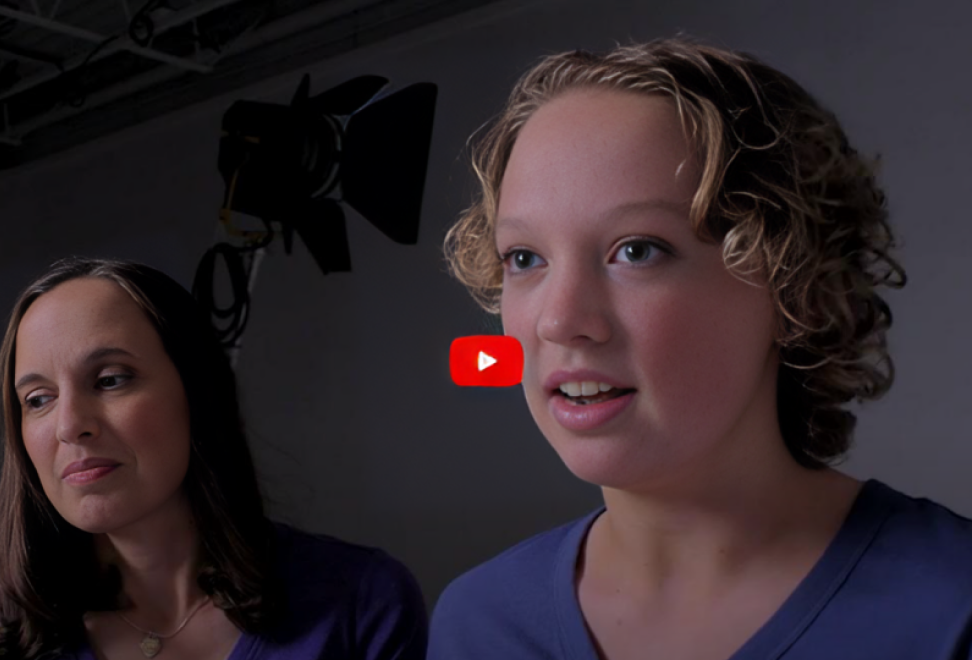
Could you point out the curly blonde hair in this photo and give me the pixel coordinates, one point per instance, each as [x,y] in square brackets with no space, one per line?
[781,189]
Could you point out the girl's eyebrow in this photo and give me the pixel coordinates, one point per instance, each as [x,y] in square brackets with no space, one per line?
[93,356]
[641,206]
[507,222]
[666,205]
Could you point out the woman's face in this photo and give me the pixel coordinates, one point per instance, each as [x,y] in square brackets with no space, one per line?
[105,418]
[606,285]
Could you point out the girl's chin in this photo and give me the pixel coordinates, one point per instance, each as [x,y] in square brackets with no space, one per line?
[606,463]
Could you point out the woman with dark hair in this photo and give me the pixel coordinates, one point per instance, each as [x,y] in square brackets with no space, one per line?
[690,252]
[131,521]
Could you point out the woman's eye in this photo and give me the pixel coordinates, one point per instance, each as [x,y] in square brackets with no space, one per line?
[112,381]
[36,401]
[639,251]
[519,260]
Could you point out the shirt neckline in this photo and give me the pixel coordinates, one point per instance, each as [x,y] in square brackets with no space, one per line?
[241,649]
[870,509]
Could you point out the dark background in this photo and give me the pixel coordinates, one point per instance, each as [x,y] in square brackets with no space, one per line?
[357,428]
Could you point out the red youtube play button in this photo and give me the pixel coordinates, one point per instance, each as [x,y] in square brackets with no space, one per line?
[486,361]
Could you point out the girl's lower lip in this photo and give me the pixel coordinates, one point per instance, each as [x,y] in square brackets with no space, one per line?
[87,476]
[574,417]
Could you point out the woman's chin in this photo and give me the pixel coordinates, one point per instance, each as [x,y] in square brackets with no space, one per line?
[97,517]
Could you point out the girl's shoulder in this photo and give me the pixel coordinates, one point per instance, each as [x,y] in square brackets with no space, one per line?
[532,562]
[920,535]
[513,605]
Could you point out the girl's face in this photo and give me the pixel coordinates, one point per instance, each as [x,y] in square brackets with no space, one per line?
[608,288]
[104,418]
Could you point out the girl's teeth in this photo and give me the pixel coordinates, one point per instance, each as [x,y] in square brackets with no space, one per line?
[585,388]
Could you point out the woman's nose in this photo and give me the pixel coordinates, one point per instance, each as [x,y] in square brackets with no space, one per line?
[77,417]
[575,308]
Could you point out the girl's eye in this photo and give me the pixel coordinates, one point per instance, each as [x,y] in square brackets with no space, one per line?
[520,260]
[639,251]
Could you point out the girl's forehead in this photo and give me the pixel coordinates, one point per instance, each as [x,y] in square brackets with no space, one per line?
[591,154]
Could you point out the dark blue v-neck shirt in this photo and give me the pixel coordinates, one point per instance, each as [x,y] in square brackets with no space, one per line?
[343,602]
[894,584]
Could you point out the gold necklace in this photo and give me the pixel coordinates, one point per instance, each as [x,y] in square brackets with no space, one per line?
[151,644]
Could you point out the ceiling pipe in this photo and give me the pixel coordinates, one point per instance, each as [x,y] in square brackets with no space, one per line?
[122,43]
[5,137]
[260,47]
[275,31]
[26,55]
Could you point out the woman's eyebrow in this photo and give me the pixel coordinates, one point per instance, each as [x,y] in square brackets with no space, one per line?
[93,356]
[27,379]
[107,351]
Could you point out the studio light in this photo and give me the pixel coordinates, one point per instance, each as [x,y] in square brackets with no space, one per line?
[295,166]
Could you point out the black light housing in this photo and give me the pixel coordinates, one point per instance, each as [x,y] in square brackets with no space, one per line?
[295,165]
[284,164]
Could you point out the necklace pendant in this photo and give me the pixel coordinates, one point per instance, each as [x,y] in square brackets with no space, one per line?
[151,646]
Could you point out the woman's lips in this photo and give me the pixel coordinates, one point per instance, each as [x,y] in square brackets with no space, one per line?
[88,470]
[87,476]
[577,417]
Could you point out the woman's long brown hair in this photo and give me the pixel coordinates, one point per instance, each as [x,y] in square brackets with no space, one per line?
[49,574]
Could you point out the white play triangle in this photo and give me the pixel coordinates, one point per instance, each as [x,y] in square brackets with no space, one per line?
[485,360]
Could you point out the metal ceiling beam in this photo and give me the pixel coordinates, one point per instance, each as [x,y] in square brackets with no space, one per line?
[95,100]
[48,24]
[318,15]
[121,43]
[274,32]
[27,55]
[190,13]
[311,46]
[5,137]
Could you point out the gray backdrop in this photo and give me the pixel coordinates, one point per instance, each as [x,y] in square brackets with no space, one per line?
[357,428]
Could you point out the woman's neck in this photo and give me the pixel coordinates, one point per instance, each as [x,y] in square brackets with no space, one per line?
[158,560]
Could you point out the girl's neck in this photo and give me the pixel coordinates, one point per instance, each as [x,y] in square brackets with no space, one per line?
[697,538]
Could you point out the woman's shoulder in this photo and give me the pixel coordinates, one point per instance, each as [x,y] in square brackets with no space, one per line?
[319,562]
[346,593]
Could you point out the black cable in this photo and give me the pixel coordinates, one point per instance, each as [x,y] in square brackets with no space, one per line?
[202,289]
[75,95]
[239,275]
[141,28]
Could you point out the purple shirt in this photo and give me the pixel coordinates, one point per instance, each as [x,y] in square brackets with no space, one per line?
[344,601]
[895,584]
